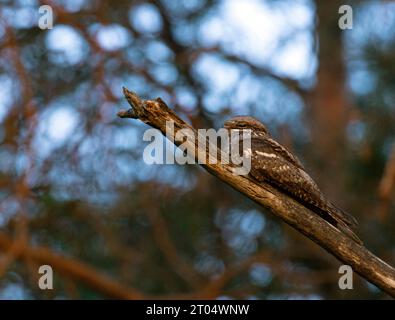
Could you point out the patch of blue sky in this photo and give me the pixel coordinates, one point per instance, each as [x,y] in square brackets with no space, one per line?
[111,37]
[296,58]
[25,16]
[245,26]
[374,25]
[139,170]
[241,229]
[9,207]
[107,110]
[260,274]
[361,81]
[145,18]
[7,156]
[166,174]
[183,6]
[164,73]
[185,32]
[163,94]
[157,51]
[112,64]
[66,44]
[247,92]
[21,162]
[276,104]
[274,35]
[208,264]
[115,83]
[71,185]
[273,236]
[27,2]
[242,246]
[218,75]
[374,22]
[256,30]
[214,102]
[100,173]
[186,97]
[79,94]
[250,223]
[6,96]
[2,32]
[128,167]
[126,138]
[137,83]
[13,291]
[136,55]
[58,123]
[74,5]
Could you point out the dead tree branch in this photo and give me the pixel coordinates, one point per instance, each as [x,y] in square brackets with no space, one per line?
[156,113]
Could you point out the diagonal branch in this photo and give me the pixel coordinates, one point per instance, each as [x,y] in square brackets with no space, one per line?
[72,269]
[156,113]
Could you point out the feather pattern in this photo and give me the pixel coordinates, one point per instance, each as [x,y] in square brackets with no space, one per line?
[274,164]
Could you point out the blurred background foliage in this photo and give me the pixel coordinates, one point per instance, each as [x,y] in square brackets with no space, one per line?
[75,193]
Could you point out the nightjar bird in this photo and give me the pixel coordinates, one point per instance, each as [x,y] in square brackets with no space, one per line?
[274,164]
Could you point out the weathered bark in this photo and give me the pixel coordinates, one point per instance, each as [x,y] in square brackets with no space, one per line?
[156,113]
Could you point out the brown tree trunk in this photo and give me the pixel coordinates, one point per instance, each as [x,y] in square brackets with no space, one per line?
[328,103]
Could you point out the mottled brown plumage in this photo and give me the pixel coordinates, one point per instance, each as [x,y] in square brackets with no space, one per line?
[274,164]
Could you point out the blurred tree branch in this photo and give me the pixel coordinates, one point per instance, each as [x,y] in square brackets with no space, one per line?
[156,113]
[164,241]
[69,268]
[260,71]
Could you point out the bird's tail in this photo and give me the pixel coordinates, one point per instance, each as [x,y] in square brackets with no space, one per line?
[345,222]
[348,232]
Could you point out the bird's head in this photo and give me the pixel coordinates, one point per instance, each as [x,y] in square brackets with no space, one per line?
[246,122]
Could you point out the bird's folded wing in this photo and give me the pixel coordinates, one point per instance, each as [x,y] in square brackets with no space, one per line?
[270,166]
